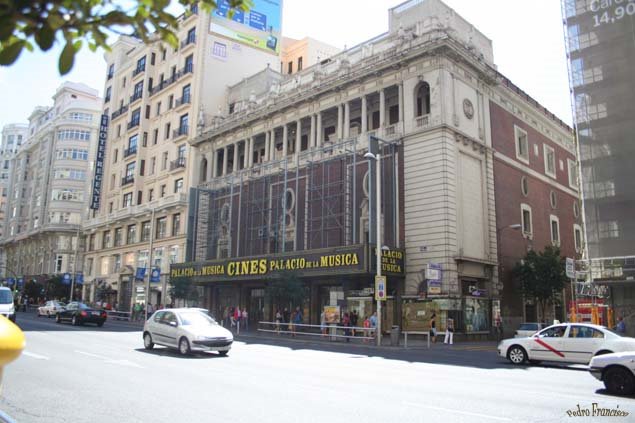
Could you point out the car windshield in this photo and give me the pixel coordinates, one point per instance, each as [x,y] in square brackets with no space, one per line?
[6,297]
[196,318]
[82,306]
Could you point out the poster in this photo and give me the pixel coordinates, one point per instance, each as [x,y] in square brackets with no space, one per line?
[332,314]
[476,315]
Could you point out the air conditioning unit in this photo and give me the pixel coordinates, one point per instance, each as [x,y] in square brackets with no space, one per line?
[262,232]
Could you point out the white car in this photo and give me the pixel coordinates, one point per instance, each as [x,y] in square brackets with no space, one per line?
[187,329]
[565,342]
[7,307]
[50,308]
[616,370]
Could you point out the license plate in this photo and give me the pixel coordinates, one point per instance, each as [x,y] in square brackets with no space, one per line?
[95,313]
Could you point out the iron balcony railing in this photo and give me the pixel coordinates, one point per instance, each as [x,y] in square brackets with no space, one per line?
[178,163]
[136,96]
[189,40]
[138,71]
[127,180]
[180,131]
[119,112]
[133,124]
[130,151]
[186,99]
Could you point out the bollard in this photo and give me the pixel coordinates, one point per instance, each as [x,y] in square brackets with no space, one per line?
[11,343]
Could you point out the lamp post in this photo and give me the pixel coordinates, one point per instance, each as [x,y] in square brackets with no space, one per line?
[378,249]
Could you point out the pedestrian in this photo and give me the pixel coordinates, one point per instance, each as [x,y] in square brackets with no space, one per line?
[449,331]
[433,327]
[621,326]
[354,320]
[323,323]
[237,315]
[286,316]
[150,310]
[290,324]
[366,329]
[298,319]
[245,319]
[278,320]
[346,322]
[373,323]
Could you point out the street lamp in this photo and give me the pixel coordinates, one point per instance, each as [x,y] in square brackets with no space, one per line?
[378,249]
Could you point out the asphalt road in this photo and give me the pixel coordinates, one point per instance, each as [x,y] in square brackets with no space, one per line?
[90,374]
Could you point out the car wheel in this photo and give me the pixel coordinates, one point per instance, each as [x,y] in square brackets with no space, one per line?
[74,321]
[147,341]
[223,353]
[619,381]
[58,319]
[517,354]
[184,346]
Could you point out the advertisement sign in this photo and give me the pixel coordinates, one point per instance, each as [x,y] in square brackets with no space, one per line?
[339,261]
[570,268]
[20,283]
[260,27]
[155,275]
[140,273]
[99,163]
[476,313]
[79,278]
[434,275]
[66,279]
[392,261]
[332,314]
[10,281]
[380,288]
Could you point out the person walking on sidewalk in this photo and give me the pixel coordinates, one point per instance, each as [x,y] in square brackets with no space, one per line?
[278,320]
[297,320]
[373,323]
[449,331]
[323,324]
[245,319]
[366,328]
[346,322]
[433,327]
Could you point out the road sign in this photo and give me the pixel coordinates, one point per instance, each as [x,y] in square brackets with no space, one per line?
[66,279]
[570,268]
[380,288]
[155,275]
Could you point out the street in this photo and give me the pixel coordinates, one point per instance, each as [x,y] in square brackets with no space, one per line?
[90,374]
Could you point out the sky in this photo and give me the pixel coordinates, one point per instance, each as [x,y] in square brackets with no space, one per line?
[527,36]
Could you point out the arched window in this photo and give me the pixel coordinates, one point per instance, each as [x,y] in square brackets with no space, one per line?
[203,175]
[422,99]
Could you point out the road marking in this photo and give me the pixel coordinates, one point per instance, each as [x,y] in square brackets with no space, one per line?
[110,360]
[466,413]
[36,356]
[549,347]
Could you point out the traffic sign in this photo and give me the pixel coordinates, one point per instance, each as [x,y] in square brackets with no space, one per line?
[155,275]
[66,279]
[570,268]
[380,288]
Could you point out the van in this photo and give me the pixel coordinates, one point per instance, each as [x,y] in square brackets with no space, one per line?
[7,307]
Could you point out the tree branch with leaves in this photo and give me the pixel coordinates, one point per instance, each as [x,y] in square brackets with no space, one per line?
[25,24]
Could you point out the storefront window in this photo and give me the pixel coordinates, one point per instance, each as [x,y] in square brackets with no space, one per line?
[476,313]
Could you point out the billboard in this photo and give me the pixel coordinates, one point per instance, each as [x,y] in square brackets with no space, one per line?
[260,27]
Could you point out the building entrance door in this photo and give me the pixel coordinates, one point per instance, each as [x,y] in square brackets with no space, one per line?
[256,308]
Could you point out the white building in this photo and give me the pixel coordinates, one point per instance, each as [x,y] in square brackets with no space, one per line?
[50,184]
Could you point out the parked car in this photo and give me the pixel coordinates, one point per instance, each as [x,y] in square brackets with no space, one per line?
[528,329]
[565,342]
[7,306]
[186,329]
[79,313]
[50,308]
[616,370]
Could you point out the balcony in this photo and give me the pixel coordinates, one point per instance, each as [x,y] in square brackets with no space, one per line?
[187,69]
[138,71]
[422,121]
[191,40]
[136,96]
[133,124]
[106,100]
[180,132]
[186,99]
[177,164]
[127,180]
[109,77]
[130,151]
[119,112]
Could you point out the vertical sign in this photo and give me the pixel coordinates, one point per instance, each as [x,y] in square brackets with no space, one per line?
[434,275]
[380,288]
[99,162]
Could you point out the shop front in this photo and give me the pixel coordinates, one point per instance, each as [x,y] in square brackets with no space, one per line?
[340,279]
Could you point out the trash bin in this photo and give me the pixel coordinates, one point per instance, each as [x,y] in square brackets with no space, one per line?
[394,336]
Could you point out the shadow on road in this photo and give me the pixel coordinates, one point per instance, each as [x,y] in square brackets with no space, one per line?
[173,352]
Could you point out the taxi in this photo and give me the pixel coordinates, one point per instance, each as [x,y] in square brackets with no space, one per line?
[565,343]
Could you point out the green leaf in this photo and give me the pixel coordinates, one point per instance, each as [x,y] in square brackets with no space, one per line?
[77,45]
[170,38]
[67,57]
[45,37]
[7,26]
[9,53]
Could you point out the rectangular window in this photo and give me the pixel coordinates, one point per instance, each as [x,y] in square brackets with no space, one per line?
[164,160]
[299,63]
[174,254]
[554,222]
[153,58]
[167,131]
[219,50]
[105,239]
[153,165]
[550,160]
[145,231]
[142,166]
[108,94]
[118,237]
[150,194]
[131,236]
[148,108]
[155,137]
[178,185]
[130,168]
[573,174]
[189,64]
[609,229]
[522,145]
[577,238]
[162,191]
[136,118]
[176,224]
[142,259]
[144,143]
[290,67]
[127,200]
[161,230]
[526,219]
[158,108]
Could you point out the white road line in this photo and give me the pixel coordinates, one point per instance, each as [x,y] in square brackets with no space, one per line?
[36,356]
[110,360]
[467,413]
